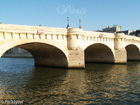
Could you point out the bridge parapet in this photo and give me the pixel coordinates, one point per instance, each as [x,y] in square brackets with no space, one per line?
[30,29]
[122,40]
[96,36]
[4,36]
[20,32]
[128,38]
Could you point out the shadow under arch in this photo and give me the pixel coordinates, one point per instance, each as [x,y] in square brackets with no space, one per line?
[45,54]
[99,53]
[133,52]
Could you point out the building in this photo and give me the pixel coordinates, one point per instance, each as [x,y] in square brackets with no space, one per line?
[135,33]
[113,29]
[126,32]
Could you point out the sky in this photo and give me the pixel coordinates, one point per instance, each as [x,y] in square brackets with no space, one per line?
[94,14]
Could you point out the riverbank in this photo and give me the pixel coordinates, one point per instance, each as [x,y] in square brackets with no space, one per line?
[17,56]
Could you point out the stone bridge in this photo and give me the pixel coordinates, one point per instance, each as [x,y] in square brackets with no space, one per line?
[71,48]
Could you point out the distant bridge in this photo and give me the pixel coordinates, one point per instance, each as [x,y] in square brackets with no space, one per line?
[71,48]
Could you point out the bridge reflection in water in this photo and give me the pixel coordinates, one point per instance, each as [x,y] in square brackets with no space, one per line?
[98,83]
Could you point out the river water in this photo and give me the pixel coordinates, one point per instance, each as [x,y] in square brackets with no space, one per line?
[97,84]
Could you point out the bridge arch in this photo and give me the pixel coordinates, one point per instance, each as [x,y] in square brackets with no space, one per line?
[133,52]
[44,53]
[99,53]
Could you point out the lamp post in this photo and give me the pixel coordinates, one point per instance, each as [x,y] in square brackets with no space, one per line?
[68,26]
[80,23]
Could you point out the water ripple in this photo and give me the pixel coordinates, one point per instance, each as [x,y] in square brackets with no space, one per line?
[97,84]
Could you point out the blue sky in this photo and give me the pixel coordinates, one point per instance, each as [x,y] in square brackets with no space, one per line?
[94,14]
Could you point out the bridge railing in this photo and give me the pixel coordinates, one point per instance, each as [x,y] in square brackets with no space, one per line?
[131,39]
[24,35]
[30,32]
[98,36]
